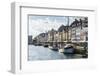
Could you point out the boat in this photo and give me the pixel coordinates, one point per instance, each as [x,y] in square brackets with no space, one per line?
[54,48]
[39,44]
[61,50]
[69,49]
[35,44]
[50,47]
[45,45]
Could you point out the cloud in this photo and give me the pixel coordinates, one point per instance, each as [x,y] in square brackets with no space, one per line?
[42,25]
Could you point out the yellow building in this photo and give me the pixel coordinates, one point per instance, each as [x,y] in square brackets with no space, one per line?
[63,33]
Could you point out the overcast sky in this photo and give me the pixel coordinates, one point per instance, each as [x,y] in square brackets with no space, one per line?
[40,24]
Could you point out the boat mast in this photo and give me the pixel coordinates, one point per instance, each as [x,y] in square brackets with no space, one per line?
[68,30]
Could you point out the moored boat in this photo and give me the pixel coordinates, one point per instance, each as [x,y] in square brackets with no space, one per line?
[69,49]
[54,49]
[45,45]
[50,47]
[61,50]
[39,44]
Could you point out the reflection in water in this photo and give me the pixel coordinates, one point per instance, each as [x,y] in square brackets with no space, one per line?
[42,53]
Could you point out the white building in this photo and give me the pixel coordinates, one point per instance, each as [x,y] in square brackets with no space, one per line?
[79,30]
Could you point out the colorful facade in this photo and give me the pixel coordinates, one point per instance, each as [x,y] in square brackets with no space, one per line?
[77,31]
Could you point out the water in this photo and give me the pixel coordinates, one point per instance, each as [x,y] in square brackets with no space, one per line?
[43,53]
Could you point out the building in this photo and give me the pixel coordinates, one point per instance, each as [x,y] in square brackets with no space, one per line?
[79,30]
[69,34]
[42,37]
[75,33]
[63,33]
[52,35]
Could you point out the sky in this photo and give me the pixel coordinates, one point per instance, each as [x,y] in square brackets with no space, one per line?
[41,24]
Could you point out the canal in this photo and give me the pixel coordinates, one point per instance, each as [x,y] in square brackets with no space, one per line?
[43,53]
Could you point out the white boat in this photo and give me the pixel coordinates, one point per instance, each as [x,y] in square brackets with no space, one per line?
[61,50]
[53,48]
[50,47]
[68,45]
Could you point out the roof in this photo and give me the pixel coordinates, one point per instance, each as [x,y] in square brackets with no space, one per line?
[62,27]
[76,22]
[43,34]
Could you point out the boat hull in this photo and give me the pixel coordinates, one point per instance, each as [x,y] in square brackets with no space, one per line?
[69,50]
[54,49]
[45,45]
